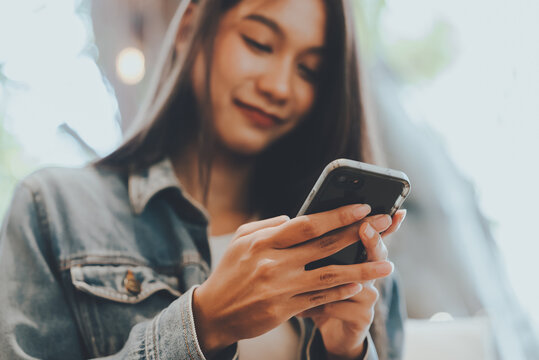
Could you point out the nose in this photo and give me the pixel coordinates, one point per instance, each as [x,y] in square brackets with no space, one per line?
[276,82]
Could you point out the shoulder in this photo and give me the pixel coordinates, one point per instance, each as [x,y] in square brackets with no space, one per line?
[61,199]
[66,194]
[64,185]
[61,180]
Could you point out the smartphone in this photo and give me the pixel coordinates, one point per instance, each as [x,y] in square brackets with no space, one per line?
[346,182]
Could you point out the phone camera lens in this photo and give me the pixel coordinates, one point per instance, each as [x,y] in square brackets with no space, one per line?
[356,183]
[341,179]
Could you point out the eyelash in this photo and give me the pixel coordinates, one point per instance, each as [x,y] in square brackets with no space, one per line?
[309,74]
[256,45]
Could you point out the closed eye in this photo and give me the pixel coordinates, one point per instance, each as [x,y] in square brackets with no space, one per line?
[256,45]
[308,73]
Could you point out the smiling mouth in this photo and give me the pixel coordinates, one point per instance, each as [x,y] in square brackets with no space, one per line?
[259,117]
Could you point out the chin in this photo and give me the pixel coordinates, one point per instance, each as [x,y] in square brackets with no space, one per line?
[246,143]
[247,148]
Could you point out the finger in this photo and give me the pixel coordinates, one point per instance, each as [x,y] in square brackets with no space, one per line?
[335,275]
[379,222]
[354,314]
[398,218]
[251,227]
[325,245]
[368,295]
[374,246]
[306,227]
[305,301]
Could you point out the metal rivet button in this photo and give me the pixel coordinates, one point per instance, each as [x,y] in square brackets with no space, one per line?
[131,283]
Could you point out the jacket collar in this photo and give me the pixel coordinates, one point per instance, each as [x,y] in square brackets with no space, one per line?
[143,185]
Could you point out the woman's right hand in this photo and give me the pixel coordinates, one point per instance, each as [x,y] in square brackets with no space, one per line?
[261,280]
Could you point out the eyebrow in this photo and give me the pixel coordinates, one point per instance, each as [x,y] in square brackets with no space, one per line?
[272,24]
[266,21]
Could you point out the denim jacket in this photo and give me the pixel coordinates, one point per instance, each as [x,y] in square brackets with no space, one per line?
[96,263]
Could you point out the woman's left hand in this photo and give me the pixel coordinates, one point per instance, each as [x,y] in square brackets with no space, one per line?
[344,324]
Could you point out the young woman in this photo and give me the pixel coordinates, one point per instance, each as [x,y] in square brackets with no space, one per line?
[254,97]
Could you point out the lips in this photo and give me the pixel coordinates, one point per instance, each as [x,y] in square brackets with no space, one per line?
[259,117]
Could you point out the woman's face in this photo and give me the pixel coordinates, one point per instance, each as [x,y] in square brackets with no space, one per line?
[263,72]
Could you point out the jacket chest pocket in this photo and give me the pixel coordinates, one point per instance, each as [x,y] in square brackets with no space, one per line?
[108,300]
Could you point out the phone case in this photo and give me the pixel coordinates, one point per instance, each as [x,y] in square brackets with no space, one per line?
[369,168]
[354,253]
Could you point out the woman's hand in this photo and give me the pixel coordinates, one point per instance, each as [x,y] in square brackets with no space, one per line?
[261,280]
[344,324]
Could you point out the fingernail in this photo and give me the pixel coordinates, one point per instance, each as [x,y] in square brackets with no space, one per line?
[356,288]
[383,268]
[361,211]
[381,222]
[404,214]
[369,231]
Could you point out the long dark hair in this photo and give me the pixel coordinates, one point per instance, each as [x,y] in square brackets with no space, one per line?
[336,127]
[286,170]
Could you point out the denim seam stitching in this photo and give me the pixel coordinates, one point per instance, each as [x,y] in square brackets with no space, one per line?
[43,222]
[114,295]
[154,335]
[110,258]
[192,323]
[185,333]
[147,340]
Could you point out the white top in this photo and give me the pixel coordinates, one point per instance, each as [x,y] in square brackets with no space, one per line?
[279,343]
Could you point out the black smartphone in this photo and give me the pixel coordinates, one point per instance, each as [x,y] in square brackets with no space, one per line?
[346,182]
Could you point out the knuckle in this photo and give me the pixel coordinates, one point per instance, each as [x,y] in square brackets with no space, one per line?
[307,227]
[265,268]
[256,245]
[328,277]
[317,299]
[328,241]
[242,244]
[242,230]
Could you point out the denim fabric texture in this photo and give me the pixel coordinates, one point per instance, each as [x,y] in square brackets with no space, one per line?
[95,263]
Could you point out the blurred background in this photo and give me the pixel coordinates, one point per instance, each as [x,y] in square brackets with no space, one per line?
[454,89]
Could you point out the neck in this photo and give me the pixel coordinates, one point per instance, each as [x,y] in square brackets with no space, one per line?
[228,195]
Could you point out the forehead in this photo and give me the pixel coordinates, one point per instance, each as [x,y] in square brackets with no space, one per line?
[304,20]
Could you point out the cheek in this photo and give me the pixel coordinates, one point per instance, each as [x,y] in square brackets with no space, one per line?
[304,101]
[232,64]
[306,96]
